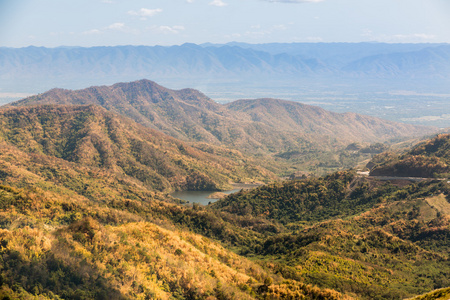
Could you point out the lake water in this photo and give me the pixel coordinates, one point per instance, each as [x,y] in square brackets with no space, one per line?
[199,197]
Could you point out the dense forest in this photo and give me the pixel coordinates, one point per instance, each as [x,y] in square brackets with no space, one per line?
[363,236]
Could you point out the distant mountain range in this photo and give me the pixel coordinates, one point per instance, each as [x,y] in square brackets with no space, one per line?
[256,126]
[35,69]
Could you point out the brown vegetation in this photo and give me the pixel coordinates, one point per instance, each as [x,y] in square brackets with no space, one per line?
[255,126]
[94,138]
[427,159]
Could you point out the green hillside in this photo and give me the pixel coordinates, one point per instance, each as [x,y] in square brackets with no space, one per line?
[441,294]
[427,159]
[85,209]
[356,235]
[91,137]
[75,227]
[59,247]
[73,230]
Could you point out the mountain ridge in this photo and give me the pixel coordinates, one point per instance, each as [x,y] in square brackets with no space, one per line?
[254,126]
[32,69]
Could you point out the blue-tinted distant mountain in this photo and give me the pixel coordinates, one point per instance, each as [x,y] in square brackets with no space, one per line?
[425,63]
[337,54]
[174,60]
[36,69]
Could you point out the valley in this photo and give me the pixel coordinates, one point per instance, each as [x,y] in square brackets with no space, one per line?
[88,210]
[225,150]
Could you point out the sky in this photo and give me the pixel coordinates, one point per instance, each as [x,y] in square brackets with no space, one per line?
[87,23]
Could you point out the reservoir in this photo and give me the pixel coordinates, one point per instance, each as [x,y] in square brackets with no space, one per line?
[200,197]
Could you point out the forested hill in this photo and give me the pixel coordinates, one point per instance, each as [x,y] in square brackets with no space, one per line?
[70,231]
[82,217]
[427,159]
[92,137]
[292,117]
[256,126]
[357,234]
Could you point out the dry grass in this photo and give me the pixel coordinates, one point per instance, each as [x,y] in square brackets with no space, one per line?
[440,203]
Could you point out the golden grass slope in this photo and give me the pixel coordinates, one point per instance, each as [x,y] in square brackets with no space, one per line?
[58,247]
[440,203]
[440,294]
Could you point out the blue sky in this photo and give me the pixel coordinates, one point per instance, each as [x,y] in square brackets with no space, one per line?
[53,23]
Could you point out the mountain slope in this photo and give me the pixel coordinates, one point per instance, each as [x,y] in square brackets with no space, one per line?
[92,137]
[102,65]
[357,235]
[185,114]
[295,117]
[144,101]
[75,225]
[256,126]
[427,159]
[428,62]
[335,54]
[54,246]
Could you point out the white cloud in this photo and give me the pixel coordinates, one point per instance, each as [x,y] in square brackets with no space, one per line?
[257,31]
[279,27]
[233,36]
[419,36]
[190,1]
[113,27]
[218,3]
[116,26]
[167,29]
[145,12]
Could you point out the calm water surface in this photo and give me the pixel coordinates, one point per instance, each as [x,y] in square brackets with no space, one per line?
[199,197]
